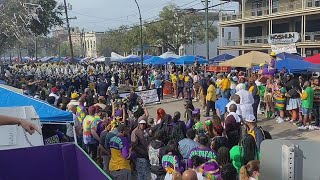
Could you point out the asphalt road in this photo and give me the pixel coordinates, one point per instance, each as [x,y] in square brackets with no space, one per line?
[285,130]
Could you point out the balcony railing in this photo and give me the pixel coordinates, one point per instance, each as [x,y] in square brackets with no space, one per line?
[256,40]
[231,42]
[312,3]
[289,6]
[312,36]
[229,17]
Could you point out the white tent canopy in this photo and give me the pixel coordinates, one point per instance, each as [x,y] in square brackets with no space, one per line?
[99,59]
[169,55]
[116,57]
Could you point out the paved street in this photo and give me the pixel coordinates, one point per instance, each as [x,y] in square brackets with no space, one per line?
[278,131]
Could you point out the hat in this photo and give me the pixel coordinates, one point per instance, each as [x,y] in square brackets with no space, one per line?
[86,90]
[250,118]
[142,122]
[273,54]
[54,89]
[74,95]
[196,111]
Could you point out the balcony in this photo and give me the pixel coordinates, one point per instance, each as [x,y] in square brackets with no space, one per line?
[231,42]
[288,6]
[257,12]
[256,40]
[229,17]
[312,3]
[312,36]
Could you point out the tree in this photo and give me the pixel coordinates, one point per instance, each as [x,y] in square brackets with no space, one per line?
[48,16]
[21,18]
[174,28]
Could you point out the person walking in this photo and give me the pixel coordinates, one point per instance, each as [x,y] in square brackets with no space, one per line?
[211,98]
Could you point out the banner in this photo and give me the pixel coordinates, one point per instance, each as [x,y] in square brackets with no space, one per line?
[147,96]
[288,48]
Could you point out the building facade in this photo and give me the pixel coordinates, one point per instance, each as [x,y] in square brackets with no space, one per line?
[262,21]
[199,49]
[87,43]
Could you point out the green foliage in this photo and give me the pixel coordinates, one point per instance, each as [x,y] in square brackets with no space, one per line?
[171,30]
[48,17]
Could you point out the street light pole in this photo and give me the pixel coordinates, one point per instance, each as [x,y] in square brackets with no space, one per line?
[207,28]
[69,32]
[141,38]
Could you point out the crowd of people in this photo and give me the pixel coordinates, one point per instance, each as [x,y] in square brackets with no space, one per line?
[120,135]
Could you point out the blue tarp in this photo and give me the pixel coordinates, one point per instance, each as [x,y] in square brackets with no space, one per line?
[221,58]
[285,55]
[296,65]
[189,60]
[147,56]
[46,112]
[156,60]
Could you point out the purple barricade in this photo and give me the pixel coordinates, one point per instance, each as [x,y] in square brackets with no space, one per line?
[50,162]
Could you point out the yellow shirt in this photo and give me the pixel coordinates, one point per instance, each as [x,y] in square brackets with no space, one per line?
[211,93]
[186,79]
[225,84]
[181,77]
[174,79]
[117,162]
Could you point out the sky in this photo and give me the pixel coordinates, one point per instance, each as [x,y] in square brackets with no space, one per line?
[102,15]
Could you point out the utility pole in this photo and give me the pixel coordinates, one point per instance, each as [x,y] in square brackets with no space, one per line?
[141,38]
[207,28]
[68,27]
[82,41]
[36,48]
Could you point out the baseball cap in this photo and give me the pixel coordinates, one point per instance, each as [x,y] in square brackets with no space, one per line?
[196,111]
[142,122]
[54,89]
[250,118]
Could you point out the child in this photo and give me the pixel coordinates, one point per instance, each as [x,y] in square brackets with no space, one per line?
[280,101]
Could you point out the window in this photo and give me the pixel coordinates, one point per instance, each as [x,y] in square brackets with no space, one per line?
[317,3]
[229,35]
[309,3]
[222,32]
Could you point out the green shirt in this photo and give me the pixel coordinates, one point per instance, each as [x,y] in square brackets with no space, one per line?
[308,102]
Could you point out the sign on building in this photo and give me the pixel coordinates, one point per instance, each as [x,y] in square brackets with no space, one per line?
[288,48]
[283,38]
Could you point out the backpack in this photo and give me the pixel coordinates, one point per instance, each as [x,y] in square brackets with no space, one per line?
[265,133]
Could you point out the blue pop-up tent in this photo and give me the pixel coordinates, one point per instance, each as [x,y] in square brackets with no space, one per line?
[189,60]
[156,60]
[285,55]
[297,66]
[221,58]
[46,112]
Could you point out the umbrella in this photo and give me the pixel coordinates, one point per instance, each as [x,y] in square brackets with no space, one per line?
[249,59]
[221,58]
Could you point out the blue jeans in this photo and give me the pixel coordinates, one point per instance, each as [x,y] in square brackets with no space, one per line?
[143,169]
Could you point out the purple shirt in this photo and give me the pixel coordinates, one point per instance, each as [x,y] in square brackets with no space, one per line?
[173,162]
[120,143]
[206,153]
